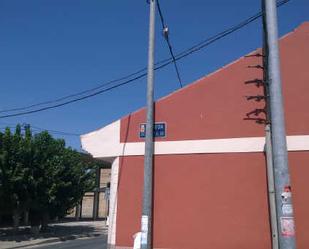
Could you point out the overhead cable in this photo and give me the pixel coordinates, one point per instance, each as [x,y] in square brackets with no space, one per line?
[140,73]
[33,127]
[165,31]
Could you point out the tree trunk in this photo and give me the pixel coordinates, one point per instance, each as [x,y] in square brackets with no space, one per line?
[26,218]
[16,217]
[35,222]
[78,212]
[45,220]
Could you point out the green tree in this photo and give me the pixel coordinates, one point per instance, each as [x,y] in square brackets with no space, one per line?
[40,175]
[61,178]
[15,184]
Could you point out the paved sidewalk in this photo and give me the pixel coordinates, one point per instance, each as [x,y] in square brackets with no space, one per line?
[56,233]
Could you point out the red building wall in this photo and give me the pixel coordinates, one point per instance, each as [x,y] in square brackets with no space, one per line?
[201,201]
[212,107]
[215,106]
[218,200]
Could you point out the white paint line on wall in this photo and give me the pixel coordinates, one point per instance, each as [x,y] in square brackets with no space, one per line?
[229,145]
[298,143]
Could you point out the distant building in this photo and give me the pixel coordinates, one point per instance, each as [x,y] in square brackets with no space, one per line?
[94,204]
[210,187]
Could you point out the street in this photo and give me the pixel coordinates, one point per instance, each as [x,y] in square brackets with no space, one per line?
[93,243]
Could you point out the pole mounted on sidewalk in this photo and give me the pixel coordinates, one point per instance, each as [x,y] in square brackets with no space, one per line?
[268,142]
[146,221]
[284,207]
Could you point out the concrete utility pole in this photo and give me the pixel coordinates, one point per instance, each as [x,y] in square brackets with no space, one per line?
[146,222]
[268,147]
[285,219]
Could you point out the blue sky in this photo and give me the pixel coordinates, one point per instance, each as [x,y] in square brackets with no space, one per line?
[52,48]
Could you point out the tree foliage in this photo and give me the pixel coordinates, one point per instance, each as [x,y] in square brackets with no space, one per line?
[40,175]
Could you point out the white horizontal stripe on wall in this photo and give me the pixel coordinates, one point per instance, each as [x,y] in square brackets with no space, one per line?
[105,143]
[231,145]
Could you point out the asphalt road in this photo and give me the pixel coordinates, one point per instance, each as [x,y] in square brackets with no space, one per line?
[92,243]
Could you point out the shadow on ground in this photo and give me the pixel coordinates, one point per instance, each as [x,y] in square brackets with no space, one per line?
[63,231]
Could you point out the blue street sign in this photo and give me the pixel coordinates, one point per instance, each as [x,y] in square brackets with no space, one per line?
[159,130]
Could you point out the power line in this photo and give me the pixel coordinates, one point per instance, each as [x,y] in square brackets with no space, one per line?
[50,131]
[75,94]
[64,133]
[33,127]
[159,65]
[224,33]
[166,36]
[74,100]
